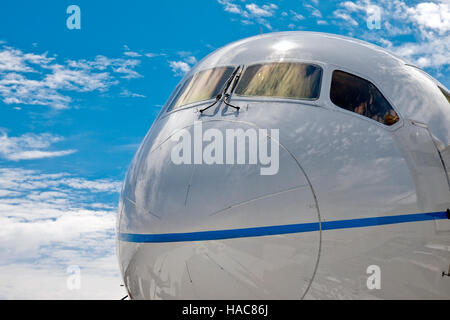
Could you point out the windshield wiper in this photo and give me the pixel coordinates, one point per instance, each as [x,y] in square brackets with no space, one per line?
[228,95]
[223,93]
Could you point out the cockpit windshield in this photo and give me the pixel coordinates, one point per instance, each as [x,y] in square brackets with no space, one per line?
[204,85]
[281,79]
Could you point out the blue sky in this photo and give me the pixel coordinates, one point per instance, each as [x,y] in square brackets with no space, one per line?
[75,104]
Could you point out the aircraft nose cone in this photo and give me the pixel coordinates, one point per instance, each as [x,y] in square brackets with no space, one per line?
[217,229]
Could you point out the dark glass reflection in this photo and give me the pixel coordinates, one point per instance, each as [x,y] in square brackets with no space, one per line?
[361,96]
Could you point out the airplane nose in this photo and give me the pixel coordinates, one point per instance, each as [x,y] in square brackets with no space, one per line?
[205,230]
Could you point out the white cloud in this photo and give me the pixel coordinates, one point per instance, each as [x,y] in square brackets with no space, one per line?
[263,11]
[37,154]
[363,6]
[352,6]
[427,21]
[230,7]
[29,146]
[16,88]
[81,80]
[361,10]
[28,281]
[101,185]
[314,11]
[35,79]
[429,54]
[116,65]
[345,16]
[127,93]
[132,54]
[190,60]
[425,17]
[24,181]
[393,30]
[179,67]
[15,60]
[430,23]
[152,55]
[52,221]
[252,12]
[435,16]
[296,16]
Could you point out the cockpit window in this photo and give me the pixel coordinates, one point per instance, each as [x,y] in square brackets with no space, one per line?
[204,85]
[283,80]
[445,94]
[361,96]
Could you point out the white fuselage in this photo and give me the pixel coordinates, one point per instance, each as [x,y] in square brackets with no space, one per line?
[356,209]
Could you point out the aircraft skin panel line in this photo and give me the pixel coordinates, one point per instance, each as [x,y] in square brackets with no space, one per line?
[281,229]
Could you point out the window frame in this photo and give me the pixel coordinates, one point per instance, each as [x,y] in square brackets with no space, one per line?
[393,127]
[445,93]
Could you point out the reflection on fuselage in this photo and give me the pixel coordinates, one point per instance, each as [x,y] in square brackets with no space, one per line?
[351,191]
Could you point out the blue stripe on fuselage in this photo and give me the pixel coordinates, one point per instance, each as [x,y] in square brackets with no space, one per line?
[280,229]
